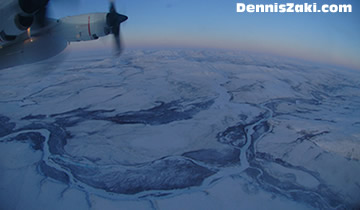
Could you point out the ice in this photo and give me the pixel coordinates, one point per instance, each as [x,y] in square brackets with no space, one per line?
[179,129]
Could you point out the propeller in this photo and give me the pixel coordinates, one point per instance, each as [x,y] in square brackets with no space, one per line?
[113,21]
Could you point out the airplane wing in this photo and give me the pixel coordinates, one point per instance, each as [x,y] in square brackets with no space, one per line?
[34,49]
[19,46]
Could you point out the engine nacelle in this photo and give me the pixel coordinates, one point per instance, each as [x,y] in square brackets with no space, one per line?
[17,26]
[84,27]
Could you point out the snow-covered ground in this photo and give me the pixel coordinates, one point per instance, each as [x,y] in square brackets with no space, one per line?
[179,129]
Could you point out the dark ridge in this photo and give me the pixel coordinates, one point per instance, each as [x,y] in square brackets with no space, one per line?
[34,117]
[53,173]
[163,113]
[163,174]
[6,127]
[234,136]
[37,140]
[211,156]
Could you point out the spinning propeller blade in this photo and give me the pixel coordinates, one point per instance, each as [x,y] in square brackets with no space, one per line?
[113,21]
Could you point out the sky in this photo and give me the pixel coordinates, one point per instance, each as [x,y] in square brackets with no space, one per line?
[214,24]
